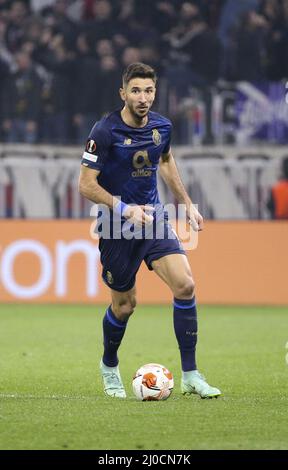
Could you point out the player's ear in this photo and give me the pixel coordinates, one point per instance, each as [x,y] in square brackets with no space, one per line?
[122,94]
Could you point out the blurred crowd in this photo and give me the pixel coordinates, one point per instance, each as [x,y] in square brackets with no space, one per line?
[61,61]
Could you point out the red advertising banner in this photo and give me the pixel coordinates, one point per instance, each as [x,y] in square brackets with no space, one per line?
[58,261]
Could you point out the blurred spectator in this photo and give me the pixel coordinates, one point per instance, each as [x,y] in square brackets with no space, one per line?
[18,16]
[231,11]
[211,10]
[33,29]
[57,18]
[53,55]
[88,9]
[192,43]
[87,87]
[278,201]
[125,9]
[21,101]
[103,25]
[5,55]
[130,55]
[149,55]
[139,27]
[110,82]
[164,16]
[247,56]
[37,5]
[104,47]
[4,73]
[276,45]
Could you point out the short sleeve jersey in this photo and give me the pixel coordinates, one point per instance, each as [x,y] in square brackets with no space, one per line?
[128,157]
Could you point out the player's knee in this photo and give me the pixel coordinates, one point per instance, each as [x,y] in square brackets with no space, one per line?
[185,290]
[126,308]
[133,303]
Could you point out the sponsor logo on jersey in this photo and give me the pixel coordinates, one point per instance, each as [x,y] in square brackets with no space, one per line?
[141,172]
[127,141]
[91,146]
[91,158]
[156,136]
[141,160]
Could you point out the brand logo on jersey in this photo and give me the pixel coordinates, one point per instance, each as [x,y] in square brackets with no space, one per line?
[127,141]
[156,136]
[109,277]
[91,146]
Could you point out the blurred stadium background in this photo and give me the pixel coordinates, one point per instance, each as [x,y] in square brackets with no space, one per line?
[223,71]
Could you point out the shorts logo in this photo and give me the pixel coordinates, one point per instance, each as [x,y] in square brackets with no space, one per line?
[127,142]
[91,146]
[109,277]
[156,136]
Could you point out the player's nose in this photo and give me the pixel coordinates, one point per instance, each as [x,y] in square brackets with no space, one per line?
[142,98]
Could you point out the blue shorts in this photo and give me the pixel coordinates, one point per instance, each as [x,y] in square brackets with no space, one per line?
[122,258]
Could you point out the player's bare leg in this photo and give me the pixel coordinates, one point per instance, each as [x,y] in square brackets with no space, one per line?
[114,325]
[175,271]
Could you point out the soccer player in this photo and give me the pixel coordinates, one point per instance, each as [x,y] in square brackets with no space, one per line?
[119,165]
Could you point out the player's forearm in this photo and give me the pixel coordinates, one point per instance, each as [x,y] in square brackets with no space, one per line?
[136,214]
[170,174]
[95,193]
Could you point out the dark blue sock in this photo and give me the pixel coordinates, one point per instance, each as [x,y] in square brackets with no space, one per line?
[113,332]
[185,327]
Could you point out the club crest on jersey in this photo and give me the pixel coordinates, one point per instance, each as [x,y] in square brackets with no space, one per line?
[156,136]
[91,146]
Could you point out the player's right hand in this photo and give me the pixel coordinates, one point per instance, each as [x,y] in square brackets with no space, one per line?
[194,217]
[139,215]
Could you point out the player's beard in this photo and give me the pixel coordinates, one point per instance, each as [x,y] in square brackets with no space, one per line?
[138,115]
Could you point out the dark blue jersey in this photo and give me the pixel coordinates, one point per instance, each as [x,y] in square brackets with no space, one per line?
[128,157]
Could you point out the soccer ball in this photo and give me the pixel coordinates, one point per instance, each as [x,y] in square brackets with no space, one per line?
[152,382]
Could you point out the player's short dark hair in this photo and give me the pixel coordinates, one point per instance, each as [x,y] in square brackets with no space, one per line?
[285,167]
[138,70]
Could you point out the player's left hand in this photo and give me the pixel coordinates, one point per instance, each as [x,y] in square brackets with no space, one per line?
[139,215]
[194,217]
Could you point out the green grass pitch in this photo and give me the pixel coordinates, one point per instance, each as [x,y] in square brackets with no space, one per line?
[51,393]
